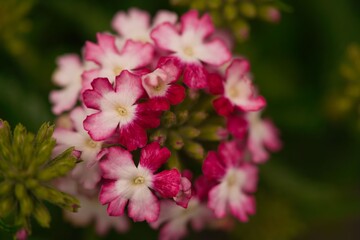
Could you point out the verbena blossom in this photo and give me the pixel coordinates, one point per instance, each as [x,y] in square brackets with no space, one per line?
[128,183]
[167,100]
[189,45]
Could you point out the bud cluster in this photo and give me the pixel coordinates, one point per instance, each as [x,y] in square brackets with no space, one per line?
[167,123]
[26,171]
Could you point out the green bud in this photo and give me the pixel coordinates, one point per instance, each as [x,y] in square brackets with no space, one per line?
[168,119]
[5,187]
[59,166]
[175,140]
[197,118]
[42,215]
[210,133]
[6,206]
[247,9]
[189,132]
[241,29]
[20,191]
[182,116]
[194,150]
[159,136]
[5,134]
[198,4]
[214,4]
[174,161]
[230,11]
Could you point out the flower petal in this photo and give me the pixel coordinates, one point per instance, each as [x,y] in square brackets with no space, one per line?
[167,183]
[144,205]
[153,156]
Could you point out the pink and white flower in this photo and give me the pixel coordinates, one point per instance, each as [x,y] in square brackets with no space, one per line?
[161,83]
[236,181]
[135,24]
[238,91]
[118,109]
[112,61]
[189,44]
[262,134]
[124,182]
[67,76]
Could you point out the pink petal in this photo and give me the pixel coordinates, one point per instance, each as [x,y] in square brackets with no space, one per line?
[69,66]
[64,99]
[153,156]
[144,206]
[195,76]
[175,94]
[218,200]
[166,37]
[167,183]
[253,104]
[272,140]
[190,23]
[238,68]
[137,54]
[223,106]
[230,154]
[184,194]
[116,207]
[252,175]
[172,66]
[133,136]
[92,98]
[212,167]
[241,206]
[116,162]
[95,52]
[101,125]
[215,84]
[129,24]
[108,192]
[129,85]
[163,16]
[214,52]
[237,126]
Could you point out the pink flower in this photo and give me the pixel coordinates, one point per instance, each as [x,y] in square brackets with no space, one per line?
[189,45]
[135,24]
[124,182]
[160,84]
[117,108]
[238,90]
[174,219]
[67,76]
[112,61]
[184,194]
[236,181]
[86,172]
[262,134]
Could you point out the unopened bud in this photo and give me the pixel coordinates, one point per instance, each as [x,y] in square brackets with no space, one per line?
[42,215]
[182,116]
[168,119]
[197,118]
[247,9]
[270,14]
[175,140]
[211,133]
[241,29]
[230,11]
[159,136]
[189,132]
[194,150]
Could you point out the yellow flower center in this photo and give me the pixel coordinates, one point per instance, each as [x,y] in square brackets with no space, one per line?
[139,180]
[122,111]
[117,70]
[91,143]
[189,51]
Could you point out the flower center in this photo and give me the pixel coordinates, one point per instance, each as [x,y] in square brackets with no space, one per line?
[158,87]
[188,51]
[233,92]
[91,143]
[139,180]
[117,70]
[122,111]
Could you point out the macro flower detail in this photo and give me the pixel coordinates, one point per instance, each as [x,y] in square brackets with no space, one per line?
[238,90]
[127,183]
[118,110]
[236,181]
[189,46]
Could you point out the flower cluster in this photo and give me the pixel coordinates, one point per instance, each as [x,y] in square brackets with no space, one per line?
[148,107]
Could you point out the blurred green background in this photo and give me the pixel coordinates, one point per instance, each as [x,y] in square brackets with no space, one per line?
[309,190]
